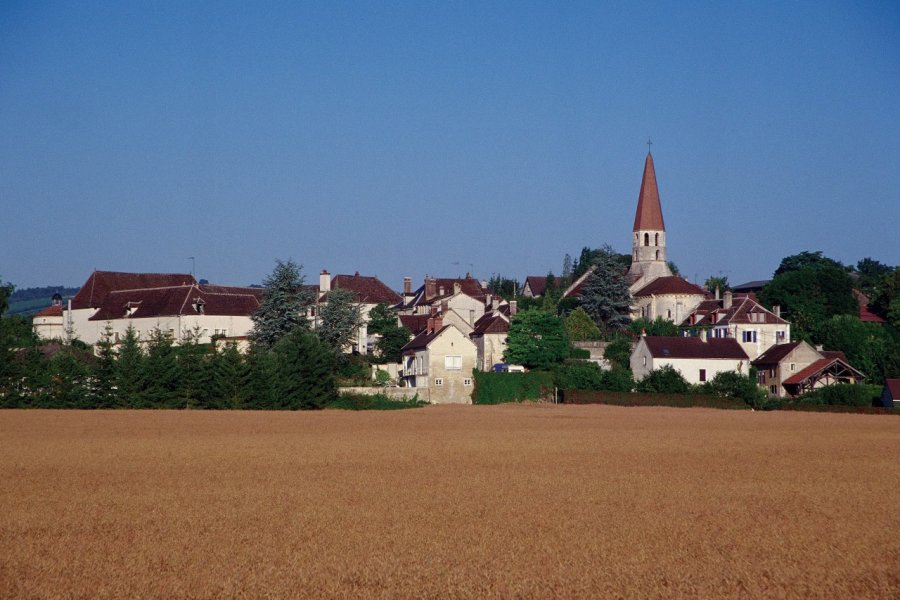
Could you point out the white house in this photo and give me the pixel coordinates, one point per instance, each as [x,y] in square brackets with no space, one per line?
[697,358]
[741,317]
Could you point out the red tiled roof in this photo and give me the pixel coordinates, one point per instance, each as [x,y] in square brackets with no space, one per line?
[415,323]
[172,301]
[775,354]
[812,369]
[537,284]
[694,347]
[366,289]
[670,285]
[51,311]
[649,212]
[100,283]
[468,285]
[423,339]
[491,323]
[742,306]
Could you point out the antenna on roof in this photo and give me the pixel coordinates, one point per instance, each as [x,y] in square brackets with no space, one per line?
[193,264]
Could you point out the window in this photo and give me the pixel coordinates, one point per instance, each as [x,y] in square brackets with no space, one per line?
[453,363]
[702,374]
[779,335]
[644,360]
[656,243]
[772,389]
[749,337]
[793,366]
[646,239]
[438,382]
[467,382]
[669,314]
[657,255]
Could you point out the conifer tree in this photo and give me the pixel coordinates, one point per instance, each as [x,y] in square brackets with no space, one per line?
[129,376]
[68,382]
[161,379]
[606,297]
[227,376]
[258,380]
[103,374]
[340,319]
[304,369]
[283,305]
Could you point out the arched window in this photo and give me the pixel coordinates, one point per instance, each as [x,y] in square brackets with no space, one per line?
[656,243]
[646,239]
[657,255]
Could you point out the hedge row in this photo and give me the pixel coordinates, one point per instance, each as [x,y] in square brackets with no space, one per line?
[497,388]
[648,399]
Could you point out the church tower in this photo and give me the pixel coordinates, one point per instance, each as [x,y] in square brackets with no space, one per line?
[648,242]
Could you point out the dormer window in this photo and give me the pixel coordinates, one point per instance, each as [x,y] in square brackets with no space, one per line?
[198,305]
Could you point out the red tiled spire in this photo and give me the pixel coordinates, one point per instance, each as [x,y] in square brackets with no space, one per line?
[649,212]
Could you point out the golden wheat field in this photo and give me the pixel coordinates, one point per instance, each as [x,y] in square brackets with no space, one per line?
[502,501]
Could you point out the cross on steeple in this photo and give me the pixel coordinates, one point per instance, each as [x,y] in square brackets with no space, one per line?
[649,143]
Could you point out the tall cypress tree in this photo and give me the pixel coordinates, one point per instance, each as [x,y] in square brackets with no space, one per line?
[161,381]
[103,372]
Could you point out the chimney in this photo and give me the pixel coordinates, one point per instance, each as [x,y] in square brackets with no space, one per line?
[726,303]
[777,310]
[407,286]
[457,288]
[484,284]
[703,334]
[430,288]
[441,291]
[444,306]
[489,302]
[430,326]
[324,281]
[438,323]
[717,293]
[513,308]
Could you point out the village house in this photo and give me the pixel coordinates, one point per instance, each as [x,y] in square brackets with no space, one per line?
[174,304]
[890,395]
[795,368]
[671,298]
[439,363]
[698,359]
[741,317]
[534,287]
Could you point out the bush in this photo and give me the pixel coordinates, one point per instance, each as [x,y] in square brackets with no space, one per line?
[666,380]
[579,353]
[729,384]
[842,395]
[589,376]
[651,399]
[496,388]
[374,402]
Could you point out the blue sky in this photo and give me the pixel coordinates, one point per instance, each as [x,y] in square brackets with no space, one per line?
[404,139]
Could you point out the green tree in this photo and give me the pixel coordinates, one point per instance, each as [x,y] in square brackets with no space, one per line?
[69,380]
[729,384]
[871,273]
[339,320]
[381,319]
[391,343]
[665,380]
[885,300]
[656,327]
[810,290]
[304,370]
[103,372]
[580,326]
[228,373]
[674,268]
[161,374]
[504,287]
[193,376]
[258,380]
[283,305]
[536,340]
[714,283]
[129,374]
[6,290]
[870,347]
[618,352]
[606,297]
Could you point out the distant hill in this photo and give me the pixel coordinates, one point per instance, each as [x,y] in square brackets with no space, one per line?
[29,301]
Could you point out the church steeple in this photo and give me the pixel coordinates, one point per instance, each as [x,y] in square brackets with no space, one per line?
[649,212]
[648,242]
